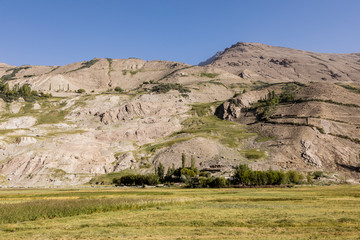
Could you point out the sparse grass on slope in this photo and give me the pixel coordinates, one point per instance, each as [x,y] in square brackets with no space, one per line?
[228,133]
[349,87]
[209,75]
[86,64]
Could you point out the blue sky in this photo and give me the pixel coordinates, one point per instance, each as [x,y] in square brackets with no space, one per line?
[58,32]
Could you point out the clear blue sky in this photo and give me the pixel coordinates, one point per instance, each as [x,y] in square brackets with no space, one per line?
[58,32]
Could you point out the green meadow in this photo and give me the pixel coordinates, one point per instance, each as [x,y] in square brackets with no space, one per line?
[305,212]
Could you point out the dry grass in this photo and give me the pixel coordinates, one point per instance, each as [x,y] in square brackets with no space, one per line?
[331,212]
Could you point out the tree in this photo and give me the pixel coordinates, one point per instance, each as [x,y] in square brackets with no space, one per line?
[25,90]
[188,173]
[192,162]
[161,172]
[183,160]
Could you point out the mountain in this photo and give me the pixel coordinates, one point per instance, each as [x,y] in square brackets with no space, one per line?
[268,63]
[268,107]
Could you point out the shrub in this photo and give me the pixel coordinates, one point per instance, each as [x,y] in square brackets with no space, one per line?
[80,90]
[119,89]
[218,182]
[318,174]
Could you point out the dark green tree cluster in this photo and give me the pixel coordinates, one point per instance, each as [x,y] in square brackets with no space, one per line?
[16,92]
[137,180]
[245,176]
[213,182]
[164,88]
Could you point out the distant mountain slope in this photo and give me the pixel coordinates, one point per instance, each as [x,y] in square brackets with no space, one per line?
[264,62]
[96,74]
[264,106]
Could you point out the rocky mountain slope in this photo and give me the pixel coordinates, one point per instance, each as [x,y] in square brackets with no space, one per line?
[268,63]
[265,106]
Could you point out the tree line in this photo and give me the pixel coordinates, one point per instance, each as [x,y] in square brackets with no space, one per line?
[192,177]
[10,94]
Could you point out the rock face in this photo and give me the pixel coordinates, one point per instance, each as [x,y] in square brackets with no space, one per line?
[16,123]
[228,111]
[69,140]
[231,109]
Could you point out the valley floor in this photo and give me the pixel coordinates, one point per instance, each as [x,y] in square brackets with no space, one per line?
[311,212]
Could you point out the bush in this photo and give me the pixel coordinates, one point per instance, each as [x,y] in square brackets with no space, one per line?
[80,90]
[318,174]
[119,89]
[218,182]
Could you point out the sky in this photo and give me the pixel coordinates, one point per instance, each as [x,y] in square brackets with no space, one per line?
[59,32]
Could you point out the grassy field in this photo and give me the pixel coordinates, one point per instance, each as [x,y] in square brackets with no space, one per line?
[319,212]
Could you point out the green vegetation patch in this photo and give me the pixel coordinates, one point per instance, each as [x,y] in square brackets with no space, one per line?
[264,138]
[152,148]
[209,75]
[86,64]
[107,179]
[48,209]
[166,87]
[305,212]
[9,95]
[253,154]
[203,109]
[52,117]
[349,87]
[228,133]
[14,71]
[57,173]
[259,85]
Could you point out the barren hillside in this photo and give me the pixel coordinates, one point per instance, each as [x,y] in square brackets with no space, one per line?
[268,107]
